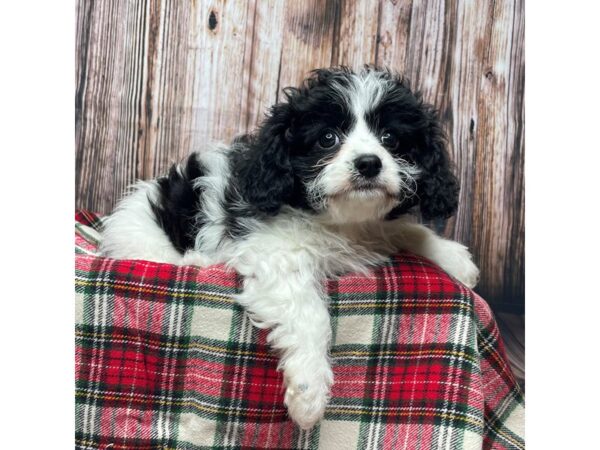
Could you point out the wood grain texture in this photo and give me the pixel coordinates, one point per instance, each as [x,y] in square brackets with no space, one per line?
[157,79]
[308,39]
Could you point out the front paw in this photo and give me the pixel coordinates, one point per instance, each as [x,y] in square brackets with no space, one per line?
[458,263]
[469,274]
[307,394]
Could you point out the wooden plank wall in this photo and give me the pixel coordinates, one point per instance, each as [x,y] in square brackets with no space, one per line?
[158,78]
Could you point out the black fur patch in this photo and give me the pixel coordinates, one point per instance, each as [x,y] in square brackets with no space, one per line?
[178,204]
[421,141]
[283,155]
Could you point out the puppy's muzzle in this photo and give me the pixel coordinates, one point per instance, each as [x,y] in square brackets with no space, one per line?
[368,166]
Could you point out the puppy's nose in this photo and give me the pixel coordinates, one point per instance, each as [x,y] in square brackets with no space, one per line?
[368,166]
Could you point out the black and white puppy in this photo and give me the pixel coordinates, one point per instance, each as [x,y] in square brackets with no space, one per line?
[322,188]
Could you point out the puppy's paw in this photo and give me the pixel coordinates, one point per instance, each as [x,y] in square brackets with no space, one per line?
[307,394]
[469,274]
[458,263]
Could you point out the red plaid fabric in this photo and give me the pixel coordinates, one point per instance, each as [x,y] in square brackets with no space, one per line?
[166,360]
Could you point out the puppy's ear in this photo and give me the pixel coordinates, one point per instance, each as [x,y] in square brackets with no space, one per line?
[264,172]
[437,187]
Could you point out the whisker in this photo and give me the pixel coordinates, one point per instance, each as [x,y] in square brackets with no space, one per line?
[325,161]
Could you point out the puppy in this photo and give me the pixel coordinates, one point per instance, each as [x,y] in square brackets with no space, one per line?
[325,186]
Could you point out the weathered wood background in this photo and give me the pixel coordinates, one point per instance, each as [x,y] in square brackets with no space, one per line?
[158,78]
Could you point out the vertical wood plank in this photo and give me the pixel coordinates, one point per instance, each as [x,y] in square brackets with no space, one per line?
[498,169]
[393,34]
[463,94]
[262,61]
[219,70]
[356,38]
[511,287]
[167,104]
[107,98]
[308,39]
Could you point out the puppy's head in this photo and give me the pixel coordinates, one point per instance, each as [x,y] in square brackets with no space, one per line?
[353,147]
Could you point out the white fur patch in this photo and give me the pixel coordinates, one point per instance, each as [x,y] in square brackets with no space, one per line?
[131,231]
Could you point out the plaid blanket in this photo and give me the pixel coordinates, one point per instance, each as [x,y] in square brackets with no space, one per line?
[166,360]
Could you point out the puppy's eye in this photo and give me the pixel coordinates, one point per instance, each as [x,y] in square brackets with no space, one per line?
[390,140]
[329,139]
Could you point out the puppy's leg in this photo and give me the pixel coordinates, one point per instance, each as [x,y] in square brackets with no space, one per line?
[283,294]
[451,256]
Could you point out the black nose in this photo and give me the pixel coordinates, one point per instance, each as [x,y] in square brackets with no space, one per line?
[368,165]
